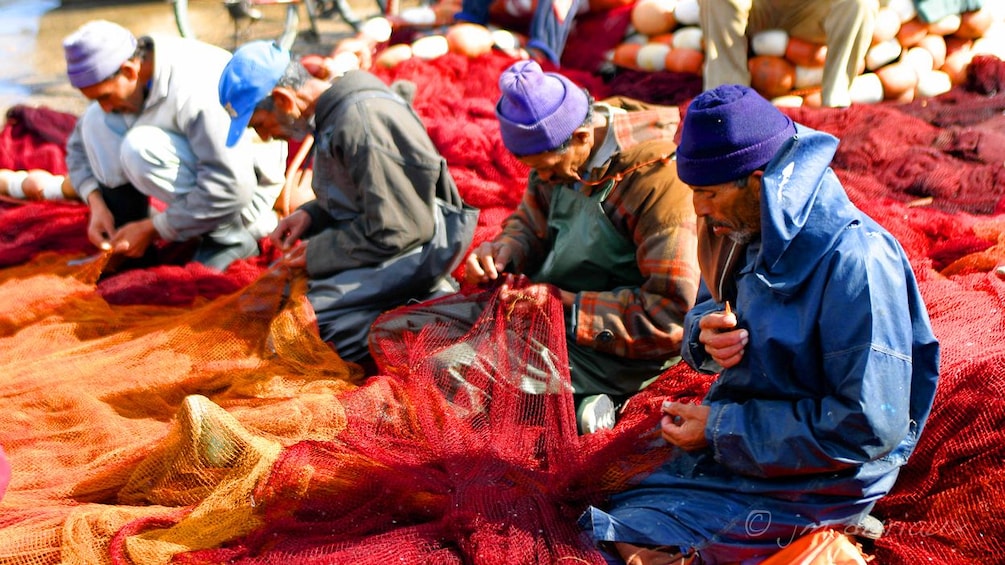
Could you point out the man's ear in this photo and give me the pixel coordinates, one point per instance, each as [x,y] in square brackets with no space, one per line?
[130,69]
[583,135]
[755,181]
[284,99]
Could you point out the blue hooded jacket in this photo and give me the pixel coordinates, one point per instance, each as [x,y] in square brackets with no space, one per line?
[841,367]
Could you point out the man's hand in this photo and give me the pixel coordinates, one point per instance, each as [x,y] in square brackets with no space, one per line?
[101,225]
[297,257]
[290,229]
[723,343]
[133,239]
[683,425]
[486,262]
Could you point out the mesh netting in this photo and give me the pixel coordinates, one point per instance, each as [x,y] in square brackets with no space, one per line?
[179,414]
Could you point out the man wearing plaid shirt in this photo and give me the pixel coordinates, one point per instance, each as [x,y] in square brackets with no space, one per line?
[607,221]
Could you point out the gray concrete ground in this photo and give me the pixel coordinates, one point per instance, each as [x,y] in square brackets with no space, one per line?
[32,68]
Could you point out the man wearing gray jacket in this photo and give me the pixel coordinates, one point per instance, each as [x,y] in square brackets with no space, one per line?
[156,130]
[387,224]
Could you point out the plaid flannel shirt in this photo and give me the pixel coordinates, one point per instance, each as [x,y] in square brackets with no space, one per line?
[652,208]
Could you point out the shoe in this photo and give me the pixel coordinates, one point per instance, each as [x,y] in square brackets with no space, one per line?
[596,412]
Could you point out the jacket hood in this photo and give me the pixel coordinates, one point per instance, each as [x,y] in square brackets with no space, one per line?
[804,209]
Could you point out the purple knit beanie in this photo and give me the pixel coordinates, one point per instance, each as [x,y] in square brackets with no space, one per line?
[729,132]
[96,51]
[538,111]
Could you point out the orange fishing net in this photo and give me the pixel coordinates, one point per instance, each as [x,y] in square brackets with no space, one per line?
[175,414]
[91,392]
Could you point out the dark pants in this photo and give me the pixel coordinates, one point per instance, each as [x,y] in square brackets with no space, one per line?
[547,33]
[217,249]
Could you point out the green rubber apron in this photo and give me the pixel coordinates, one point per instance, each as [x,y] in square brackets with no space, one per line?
[588,254]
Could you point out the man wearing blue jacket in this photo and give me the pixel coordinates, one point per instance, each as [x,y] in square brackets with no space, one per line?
[811,315]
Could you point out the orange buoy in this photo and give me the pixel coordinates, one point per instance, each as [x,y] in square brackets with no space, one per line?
[664,38]
[813,99]
[469,39]
[771,76]
[936,45]
[912,32]
[897,80]
[959,53]
[974,24]
[626,54]
[392,55]
[684,60]
[653,17]
[804,53]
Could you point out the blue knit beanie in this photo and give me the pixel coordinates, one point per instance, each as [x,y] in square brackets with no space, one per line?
[729,132]
[538,111]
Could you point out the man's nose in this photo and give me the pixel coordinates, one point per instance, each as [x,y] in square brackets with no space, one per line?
[700,208]
[263,134]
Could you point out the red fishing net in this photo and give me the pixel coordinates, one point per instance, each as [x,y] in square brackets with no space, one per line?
[179,414]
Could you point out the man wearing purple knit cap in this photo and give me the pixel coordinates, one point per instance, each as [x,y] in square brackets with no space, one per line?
[827,366]
[606,220]
[155,130]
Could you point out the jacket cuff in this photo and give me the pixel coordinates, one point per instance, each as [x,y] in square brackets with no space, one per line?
[164,230]
[86,188]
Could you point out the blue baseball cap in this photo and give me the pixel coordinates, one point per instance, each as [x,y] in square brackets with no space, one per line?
[248,79]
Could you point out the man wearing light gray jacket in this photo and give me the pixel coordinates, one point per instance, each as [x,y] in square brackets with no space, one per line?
[156,130]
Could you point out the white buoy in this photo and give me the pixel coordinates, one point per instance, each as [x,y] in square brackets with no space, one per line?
[883,54]
[687,12]
[991,44]
[378,29]
[430,47]
[506,41]
[866,88]
[807,77]
[946,25]
[919,58]
[652,57]
[771,42]
[341,63]
[689,37]
[934,83]
[419,15]
[904,8]
[788,101]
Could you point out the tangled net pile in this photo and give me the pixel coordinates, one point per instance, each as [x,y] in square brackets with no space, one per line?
[176,414]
